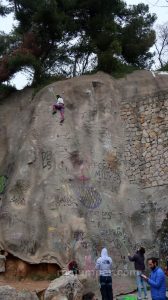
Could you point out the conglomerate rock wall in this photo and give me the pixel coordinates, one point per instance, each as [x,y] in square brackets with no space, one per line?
[98,180]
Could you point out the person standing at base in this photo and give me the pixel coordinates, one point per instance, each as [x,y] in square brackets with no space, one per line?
[104,266]
[156,280]
[139,263]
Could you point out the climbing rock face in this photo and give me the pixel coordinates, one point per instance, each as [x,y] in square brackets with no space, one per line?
[99,179]
[26,295]
[2,263]
[8,293]
[64,288]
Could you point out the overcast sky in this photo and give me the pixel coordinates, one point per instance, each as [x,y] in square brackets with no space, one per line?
[159,7]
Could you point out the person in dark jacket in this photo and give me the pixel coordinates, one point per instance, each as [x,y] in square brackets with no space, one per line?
[104,265]
[156,280]
[138,258]
[166,267]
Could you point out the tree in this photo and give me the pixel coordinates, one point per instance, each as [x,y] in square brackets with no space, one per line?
[40,30]
[4,10]
[97,19]
[138,36]
[161,45]
[70,37]
[116,33]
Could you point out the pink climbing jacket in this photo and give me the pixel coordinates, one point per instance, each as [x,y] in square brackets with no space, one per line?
[59,105]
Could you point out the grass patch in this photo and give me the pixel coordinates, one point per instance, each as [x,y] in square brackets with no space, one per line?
[123,70]
[119,71]
[41,277]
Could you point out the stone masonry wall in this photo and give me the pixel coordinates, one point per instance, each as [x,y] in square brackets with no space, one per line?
[146,131]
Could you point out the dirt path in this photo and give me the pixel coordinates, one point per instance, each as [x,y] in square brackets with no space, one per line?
[120,285]
[26,284]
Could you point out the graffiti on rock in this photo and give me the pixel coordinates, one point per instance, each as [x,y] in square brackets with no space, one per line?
[25,246]
[17,193]
[46,159]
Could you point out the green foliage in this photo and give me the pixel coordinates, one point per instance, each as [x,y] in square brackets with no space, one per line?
[4,10]
[5,91]
[37,277]
[107,62]
[68,33]
[8,42]
[16,62]
[122,70]
[52,276]
[40,277]
[164,68]
[137,36]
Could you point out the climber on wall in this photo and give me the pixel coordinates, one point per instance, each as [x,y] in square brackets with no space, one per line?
[59,105]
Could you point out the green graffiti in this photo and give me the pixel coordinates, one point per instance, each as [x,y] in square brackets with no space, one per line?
[3,180]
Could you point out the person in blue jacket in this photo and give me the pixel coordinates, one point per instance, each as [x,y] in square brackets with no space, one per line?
[156,280]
